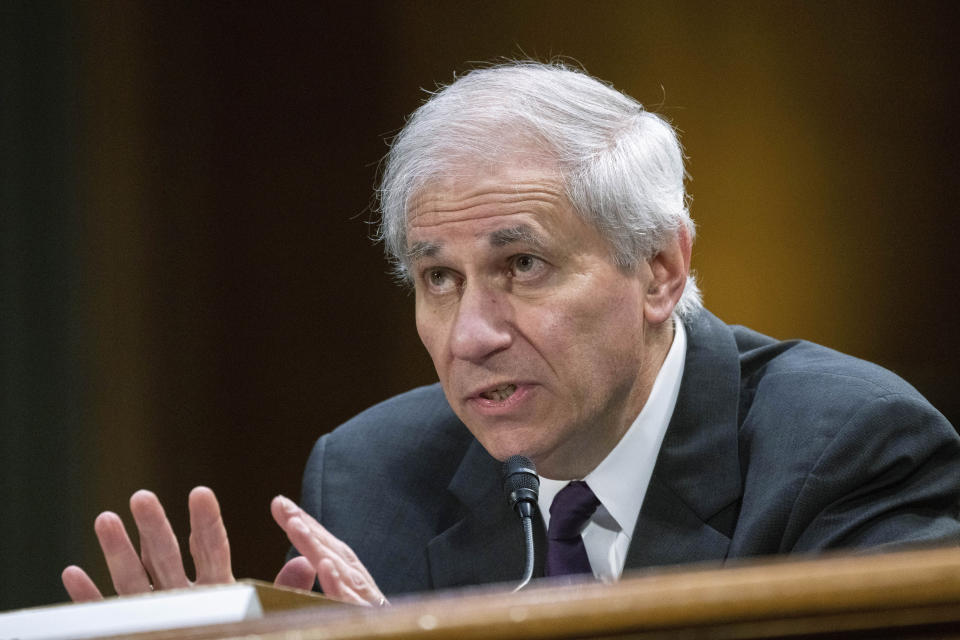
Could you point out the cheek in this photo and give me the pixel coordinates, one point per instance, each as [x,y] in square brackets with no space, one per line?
[429,330]
[600,310]
[593,339]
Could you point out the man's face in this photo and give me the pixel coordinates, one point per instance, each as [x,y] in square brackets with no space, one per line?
[538,338]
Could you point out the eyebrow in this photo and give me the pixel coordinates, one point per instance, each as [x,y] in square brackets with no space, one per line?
[499,238]
[520,233]
[420,250]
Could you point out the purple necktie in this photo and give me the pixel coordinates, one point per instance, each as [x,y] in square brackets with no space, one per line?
[571,509]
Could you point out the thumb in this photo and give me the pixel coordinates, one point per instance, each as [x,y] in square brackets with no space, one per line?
[298,573]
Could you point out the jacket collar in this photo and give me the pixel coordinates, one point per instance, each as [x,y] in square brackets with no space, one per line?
[691,505]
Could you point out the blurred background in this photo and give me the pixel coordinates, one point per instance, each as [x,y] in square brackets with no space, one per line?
[189,292]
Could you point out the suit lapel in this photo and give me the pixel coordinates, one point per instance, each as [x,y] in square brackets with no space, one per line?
[485,541]
[691,504]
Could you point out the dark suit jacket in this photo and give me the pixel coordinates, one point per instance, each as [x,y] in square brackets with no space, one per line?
[774,447]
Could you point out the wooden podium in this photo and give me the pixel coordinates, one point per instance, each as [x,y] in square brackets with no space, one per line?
[912,594]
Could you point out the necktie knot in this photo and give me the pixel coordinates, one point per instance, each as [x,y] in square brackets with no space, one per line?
[570,510]
[572,507]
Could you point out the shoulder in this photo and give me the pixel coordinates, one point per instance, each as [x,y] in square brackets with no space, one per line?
[798,379]
[392,453]
[836,451]
[834,421]
[814,406]
[405,432]
[827,415]
[423,408]
[791,389]
[387,470]
[762,358]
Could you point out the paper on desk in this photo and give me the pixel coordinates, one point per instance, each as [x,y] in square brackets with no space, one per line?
[148,612]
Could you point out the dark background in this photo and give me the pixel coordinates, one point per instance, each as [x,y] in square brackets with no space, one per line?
[189,293]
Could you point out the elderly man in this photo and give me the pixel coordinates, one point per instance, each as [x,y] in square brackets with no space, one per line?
[541,217]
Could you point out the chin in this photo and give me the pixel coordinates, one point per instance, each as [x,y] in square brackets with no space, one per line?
[502,448]
[505,437]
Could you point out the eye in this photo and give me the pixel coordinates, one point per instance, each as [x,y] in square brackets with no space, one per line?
[526,266]
[439,280]
[524,263]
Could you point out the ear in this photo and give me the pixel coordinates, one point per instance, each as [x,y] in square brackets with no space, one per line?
[669,270]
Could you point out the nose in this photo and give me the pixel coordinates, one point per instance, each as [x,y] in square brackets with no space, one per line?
[482,325]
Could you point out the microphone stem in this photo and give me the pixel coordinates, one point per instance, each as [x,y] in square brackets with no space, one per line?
[527,522]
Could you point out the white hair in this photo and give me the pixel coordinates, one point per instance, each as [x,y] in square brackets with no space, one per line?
[621,165]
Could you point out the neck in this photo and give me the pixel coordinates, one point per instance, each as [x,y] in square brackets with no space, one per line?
[585,457]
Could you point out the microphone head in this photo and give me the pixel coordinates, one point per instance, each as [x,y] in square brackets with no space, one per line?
[521,484]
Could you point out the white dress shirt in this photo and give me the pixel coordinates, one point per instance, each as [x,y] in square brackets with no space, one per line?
[620,481]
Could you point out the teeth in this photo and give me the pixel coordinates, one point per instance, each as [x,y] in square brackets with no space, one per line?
[501,393]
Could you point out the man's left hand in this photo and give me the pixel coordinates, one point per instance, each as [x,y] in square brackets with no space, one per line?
[341,574]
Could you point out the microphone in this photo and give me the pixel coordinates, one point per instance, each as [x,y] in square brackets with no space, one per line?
[522,486]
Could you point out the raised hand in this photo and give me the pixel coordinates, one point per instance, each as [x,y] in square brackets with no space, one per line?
[341,574]
[159,564]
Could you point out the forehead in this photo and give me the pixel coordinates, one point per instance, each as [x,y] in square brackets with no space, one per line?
[519,192]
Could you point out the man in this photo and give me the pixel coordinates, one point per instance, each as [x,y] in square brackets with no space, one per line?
[541,217]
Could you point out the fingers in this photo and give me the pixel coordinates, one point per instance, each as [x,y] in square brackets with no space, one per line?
[126,569]
[341,574]
[159,548]
[338,580]
[298,573]
[79,586]
[208,539]
[159,564]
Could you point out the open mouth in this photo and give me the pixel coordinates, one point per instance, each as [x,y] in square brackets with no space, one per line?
[499,394]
